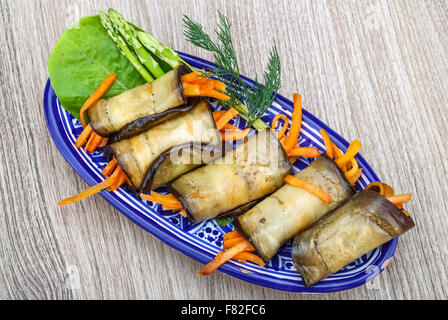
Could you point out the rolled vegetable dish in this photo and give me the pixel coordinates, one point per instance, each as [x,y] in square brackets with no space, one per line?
[290,210]
[363,223]
[154,122]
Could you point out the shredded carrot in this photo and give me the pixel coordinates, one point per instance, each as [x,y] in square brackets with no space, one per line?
[353,171]
[400,198]
[109,168]
[308,186]
[218,114]
[285,124]
[337,152]
[169,201]
[296,124]
[388,190]
[228,135]
[231,234]
[89,142]
[92,190]
[84,136]
[229,243]
[121,179]
[222,258]
[355,178]
[307,152]
[192,91]
[225,118]
[196,77]
[352,150]
[382,188]
[248,256]
[376,186]
[328,143]
[292,159]
[102,89]
[209,85]
[230,127]
[214,94]
[93,142]
[218,85]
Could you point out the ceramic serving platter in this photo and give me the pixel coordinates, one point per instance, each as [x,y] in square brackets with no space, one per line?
[202,241]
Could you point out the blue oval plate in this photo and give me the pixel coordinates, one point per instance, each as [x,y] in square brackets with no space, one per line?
[202,241]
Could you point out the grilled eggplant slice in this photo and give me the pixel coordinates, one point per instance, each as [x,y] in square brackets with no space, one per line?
[242,177]
[363,223]
[140,156]
[138,109]
[290,210]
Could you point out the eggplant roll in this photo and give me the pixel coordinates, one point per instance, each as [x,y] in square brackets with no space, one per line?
[140,156]
[238,180]
[290,210]
[361,224]
[136,110]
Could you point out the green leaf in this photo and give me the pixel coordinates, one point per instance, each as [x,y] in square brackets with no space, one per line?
[223,221]
[83,57]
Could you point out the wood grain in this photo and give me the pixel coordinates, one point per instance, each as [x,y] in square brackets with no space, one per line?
[373,70]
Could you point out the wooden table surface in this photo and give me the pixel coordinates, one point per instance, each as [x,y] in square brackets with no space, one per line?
[372,70]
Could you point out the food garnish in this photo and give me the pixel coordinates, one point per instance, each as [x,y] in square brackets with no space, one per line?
[237,248]
[308,186]
[251,103]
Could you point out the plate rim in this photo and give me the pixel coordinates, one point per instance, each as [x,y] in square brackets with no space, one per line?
[196,253]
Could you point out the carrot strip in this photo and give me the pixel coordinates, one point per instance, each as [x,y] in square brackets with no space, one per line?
[186,85]
[376,186]
[328,143]
[337,152]
[284,127]
[214,94]
[382,188]
[353,171]
[388,190]
[351,152]
[225,118]
[196,77]
[400,198]
[308,186]
[307,152]
[208,85]
[218,114]
[231,234]
[234,135]
[292,159]
[230,127]
[192,91]
[220,259]
[165,200]
[218,85]
[94,143]
[121,179]
[89,142]
[355,178]
[109,168]
[296,123]
[102,89]
[248,256]
[92,190]
[229,243]
[84,136]
[103,143]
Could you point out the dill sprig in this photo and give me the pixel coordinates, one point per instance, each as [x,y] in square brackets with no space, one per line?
[256,100]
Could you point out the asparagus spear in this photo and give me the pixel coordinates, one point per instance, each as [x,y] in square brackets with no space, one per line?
[124,49]
[128,32]
[160,50]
